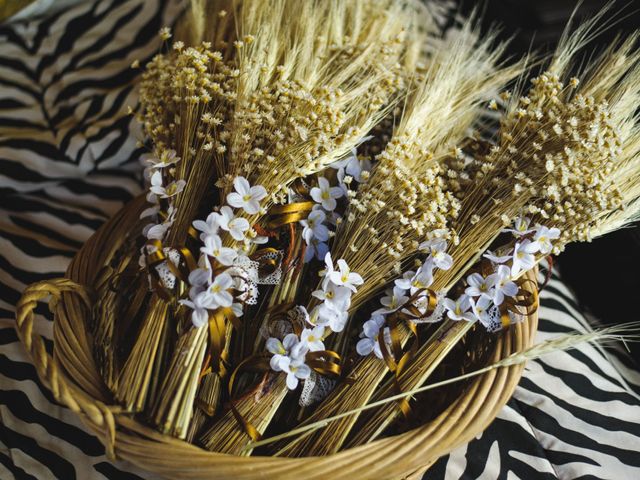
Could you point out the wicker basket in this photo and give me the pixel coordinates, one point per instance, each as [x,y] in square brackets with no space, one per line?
[74,380]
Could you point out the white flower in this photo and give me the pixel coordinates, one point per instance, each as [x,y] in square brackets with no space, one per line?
[328,270]
[370,332]
[280,350]
[210,226]
[422,305]
[315,248]
[223,217]
[312,339]
[167,158]
[405,282]
[393,300]
[479,285]
[296,370]
[151,198]
[352,167]
[314,227]
[237,309]
[325,194]
[480,309]
[543,238]
[156,232]
[345,276]
[200,303]
[219,290]
[520,227]
[213,248]
[496,259]
[459,309]
[199,278]
[423,277]
[246,197]
[336,297]
[170,190]
[324,316]
[150,212]
[523,257]
[503,286]
[253,237]
[236,226]
[437,248]
[419,280]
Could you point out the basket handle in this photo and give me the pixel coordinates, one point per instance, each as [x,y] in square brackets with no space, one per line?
[47,367]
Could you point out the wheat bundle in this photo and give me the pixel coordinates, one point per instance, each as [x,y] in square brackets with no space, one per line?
[329,225]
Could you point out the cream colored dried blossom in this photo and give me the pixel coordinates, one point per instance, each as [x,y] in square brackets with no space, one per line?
[296,93]
[566,156]
[187,96]
[407,198]
[560,147]
[307,98]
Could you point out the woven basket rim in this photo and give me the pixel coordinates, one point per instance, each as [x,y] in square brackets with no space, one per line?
[73,378]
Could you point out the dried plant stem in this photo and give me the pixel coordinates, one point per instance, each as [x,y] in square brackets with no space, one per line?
[116,308]
[628,332]
[431,355]
[256,407]
[428,357]
[172,412]
[142,365]
[104,350]
[206,403]
[369,372]
[417,373]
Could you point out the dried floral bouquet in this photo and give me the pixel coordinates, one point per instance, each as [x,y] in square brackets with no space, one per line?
[329,214]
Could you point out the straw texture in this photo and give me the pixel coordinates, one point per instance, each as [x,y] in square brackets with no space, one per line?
[75,381]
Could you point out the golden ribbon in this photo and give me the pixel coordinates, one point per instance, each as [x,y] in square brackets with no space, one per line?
[217,336]
[180,271]
[153,259]
[527,299]
[193,233]
[395,367]
[266,264]
[396,360]
[324,362]
[256,363]
[280,215]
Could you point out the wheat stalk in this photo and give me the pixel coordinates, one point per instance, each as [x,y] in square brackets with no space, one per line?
[627,332]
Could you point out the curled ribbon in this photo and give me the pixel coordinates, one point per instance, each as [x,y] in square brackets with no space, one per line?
[280,215]
[325,362]
[153,259]
[396,360]
[181,271]
[396,367]
[525,299]
[256,363]
[268,259]
[217,336]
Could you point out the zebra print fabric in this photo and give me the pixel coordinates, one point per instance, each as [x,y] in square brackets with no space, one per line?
[68,161]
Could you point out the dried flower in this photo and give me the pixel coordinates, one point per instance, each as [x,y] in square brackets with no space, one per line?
[246,197]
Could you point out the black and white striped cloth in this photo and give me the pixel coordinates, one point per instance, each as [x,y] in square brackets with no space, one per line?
[68,158]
